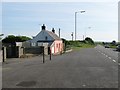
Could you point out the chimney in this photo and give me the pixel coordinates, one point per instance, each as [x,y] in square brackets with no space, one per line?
[43,27]
[59,32]
[53,30]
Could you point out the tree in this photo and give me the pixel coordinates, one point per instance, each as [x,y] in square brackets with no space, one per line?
[89,40]
[9,39]
[103,43]
[113,42]
[64,40]
[13,39]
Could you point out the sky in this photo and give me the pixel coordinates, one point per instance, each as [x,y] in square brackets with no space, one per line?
[26,18]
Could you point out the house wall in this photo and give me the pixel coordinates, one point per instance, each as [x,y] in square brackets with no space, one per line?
[26,44]
[57,47]
[52,50]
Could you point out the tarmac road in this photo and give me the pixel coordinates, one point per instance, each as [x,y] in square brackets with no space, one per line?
[109,52]
[85,68]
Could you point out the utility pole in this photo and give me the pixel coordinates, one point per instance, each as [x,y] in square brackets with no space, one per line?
[50,54]
[43,54]
[72,36]
[59,32]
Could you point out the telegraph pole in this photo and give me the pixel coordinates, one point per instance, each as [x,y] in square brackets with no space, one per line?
[59,32]
[72,36]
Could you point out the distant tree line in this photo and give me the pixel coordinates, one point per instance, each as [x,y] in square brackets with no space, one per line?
[87,40]
[12,39]
[110,43]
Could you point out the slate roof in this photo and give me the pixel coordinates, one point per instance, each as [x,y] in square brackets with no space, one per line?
[53,35]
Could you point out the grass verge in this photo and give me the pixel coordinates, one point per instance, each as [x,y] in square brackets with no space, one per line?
[82,46]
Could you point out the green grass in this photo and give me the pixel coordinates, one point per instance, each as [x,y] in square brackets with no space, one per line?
[83,46]
[77,45]
[111,46]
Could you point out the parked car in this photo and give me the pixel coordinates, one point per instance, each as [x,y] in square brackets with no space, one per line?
[107,46]
[118,48]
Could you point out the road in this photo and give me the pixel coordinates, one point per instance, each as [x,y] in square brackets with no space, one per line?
[108,52]
[85,68]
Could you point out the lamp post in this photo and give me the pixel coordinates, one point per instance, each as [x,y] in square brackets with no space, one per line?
[76,22]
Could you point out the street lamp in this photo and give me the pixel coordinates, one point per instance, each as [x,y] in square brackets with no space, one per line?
[75,21]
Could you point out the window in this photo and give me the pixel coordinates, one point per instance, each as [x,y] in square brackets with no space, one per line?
[33,44]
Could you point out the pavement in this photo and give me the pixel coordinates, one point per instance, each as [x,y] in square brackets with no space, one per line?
[85,68]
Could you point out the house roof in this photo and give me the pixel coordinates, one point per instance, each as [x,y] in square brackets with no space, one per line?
[53,35]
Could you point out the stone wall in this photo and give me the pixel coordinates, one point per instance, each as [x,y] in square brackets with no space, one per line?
[33,50]
[26,44]
[36,50]
[4,54]
[19,51]
[14,52]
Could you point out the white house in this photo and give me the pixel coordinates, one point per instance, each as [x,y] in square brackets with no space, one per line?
[50,38]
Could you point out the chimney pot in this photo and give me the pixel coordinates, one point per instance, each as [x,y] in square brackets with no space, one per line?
[53,30]
[43,27]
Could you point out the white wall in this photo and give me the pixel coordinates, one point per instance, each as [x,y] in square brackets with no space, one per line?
[52,51]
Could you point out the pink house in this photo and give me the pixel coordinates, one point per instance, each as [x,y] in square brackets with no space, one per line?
[49,37]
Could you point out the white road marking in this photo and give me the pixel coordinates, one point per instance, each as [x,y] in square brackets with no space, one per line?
[103,54]
[83,85]
[109,57]
[114,61]
[106,55]
[6,68]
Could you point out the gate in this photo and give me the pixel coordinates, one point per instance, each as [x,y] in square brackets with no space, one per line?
[11,51]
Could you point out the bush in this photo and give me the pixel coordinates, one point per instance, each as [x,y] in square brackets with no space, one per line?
[89,40]
[12,39]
